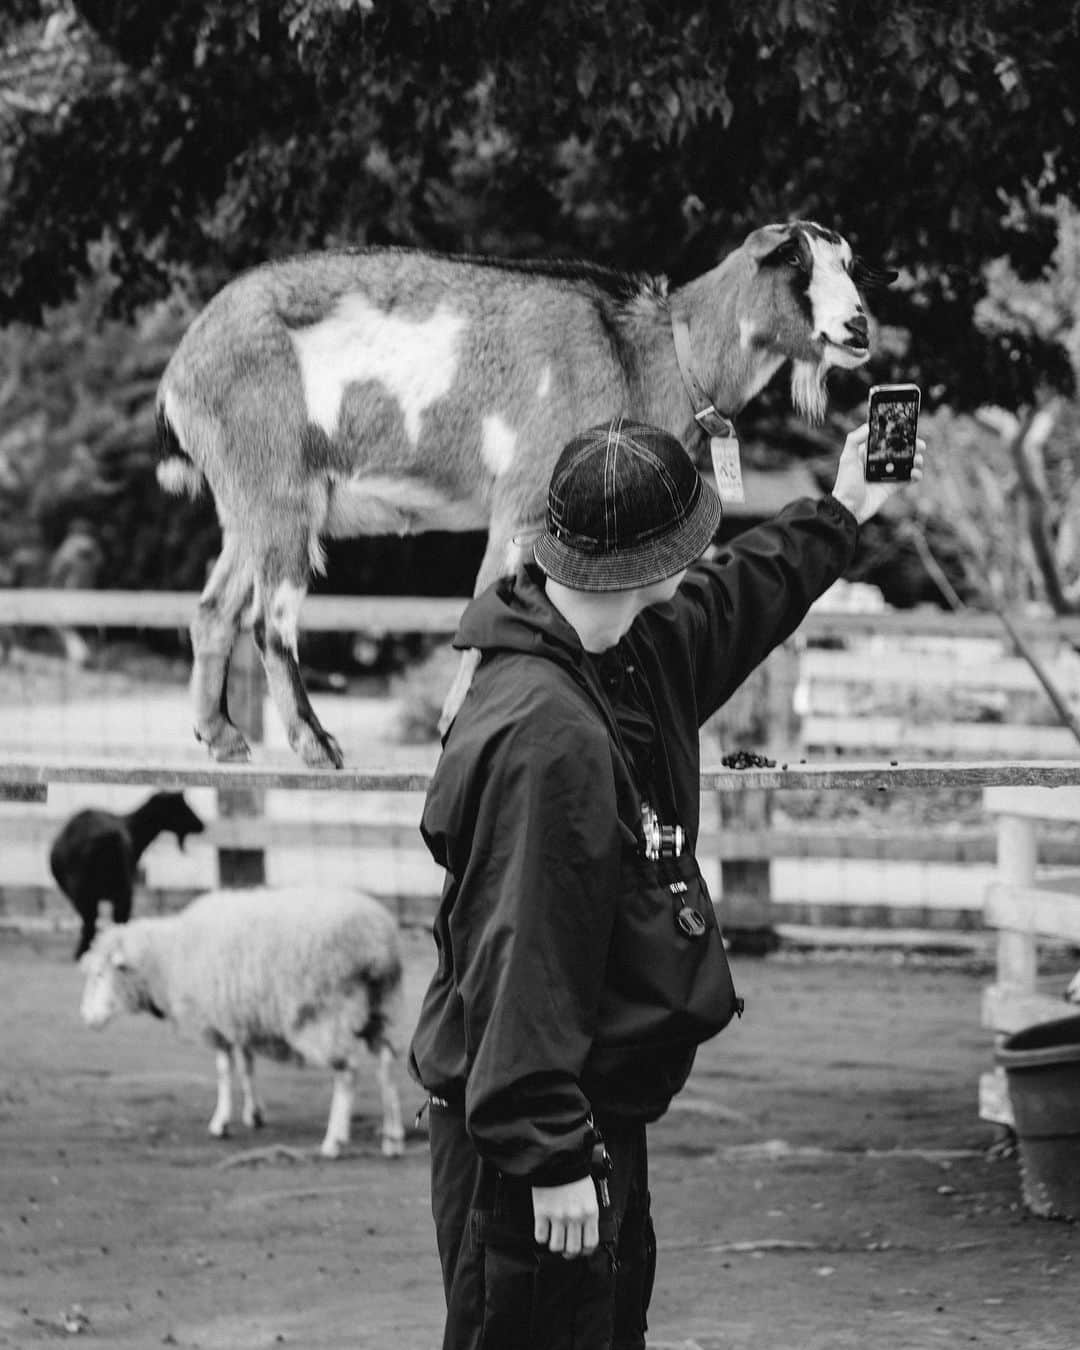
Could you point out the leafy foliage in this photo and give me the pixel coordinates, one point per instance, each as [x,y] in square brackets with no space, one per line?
[219,132]
[172,144]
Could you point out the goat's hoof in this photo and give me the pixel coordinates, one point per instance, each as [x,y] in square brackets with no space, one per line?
[330,1148]
[219,1129]
[255,1120]
[225,743]
[317,748]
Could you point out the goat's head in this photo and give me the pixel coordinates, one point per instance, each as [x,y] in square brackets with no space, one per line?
[804,304]
[177,816]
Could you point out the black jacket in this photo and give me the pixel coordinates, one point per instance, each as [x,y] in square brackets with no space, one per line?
[565,983]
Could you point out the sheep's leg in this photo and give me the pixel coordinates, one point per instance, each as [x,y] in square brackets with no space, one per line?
[282,588]
[251,1109]
[501,558]
[222,1117]
[339,1126]
[226,595]
[393,1131]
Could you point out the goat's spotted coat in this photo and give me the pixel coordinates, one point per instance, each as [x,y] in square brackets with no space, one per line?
[389,391]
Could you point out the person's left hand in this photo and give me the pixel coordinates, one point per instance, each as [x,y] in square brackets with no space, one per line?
[566,1218]
[861,498]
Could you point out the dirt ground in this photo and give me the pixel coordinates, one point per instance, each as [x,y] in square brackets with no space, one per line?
[823,1182]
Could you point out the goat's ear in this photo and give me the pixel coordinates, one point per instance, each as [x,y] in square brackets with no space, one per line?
[871,276]
[778,246]
[762,242]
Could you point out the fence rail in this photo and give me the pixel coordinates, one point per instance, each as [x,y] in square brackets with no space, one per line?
[37,607]
[22,773]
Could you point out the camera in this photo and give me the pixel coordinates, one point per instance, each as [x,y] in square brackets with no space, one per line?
[894,425]
[661,841]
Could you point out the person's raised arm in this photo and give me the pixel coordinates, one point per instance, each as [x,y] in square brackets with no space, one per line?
[752,597]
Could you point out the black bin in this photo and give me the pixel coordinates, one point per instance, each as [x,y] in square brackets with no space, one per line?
[1042,1064]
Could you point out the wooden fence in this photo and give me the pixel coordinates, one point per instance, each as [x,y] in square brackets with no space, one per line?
[739,819]
[1024,908]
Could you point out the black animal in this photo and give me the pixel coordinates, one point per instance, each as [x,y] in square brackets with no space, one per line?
[94,856]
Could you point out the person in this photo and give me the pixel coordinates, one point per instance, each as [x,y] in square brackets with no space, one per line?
[579,959]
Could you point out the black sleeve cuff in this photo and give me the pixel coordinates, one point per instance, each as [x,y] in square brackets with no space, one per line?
[561,1170]
[829,506]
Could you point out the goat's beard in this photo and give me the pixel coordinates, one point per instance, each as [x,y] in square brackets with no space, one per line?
[808,389]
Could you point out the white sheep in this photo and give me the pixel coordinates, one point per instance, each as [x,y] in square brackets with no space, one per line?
[294,973]
[391,391]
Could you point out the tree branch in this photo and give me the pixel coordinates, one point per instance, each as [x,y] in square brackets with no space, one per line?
[1027,446]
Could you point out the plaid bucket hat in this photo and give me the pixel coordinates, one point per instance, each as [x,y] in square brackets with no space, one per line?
[626,508]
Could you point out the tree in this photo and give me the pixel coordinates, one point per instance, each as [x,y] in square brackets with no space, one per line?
[151,151]
[204,135]
[1009,478]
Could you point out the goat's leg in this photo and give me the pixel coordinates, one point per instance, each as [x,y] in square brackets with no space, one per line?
[282,586]
[226,595]
[251,1109]
[89,928]
[393,1131]
[222,1117]
[501,558]
[121,903]
[339,1126]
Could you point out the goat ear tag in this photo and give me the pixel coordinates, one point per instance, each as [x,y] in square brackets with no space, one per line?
[727,468]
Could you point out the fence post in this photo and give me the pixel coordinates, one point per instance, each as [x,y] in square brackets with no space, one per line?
[244,866]
[1017,856]
[761,717]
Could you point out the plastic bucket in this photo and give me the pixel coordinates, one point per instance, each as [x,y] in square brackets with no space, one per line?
[1042,1065]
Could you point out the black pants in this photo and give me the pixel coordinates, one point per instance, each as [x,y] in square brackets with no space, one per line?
[503,1290]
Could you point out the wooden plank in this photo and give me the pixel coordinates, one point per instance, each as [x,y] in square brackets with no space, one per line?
[36,607]
[1007,1008]
[821,667]
[1037,803]
[1031,910]
[283,771]
[36,830]
[1017,853]
[869,735]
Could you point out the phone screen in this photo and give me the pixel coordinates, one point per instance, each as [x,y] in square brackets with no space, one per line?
[894,425]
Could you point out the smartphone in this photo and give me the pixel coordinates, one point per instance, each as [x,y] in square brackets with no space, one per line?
[894,425]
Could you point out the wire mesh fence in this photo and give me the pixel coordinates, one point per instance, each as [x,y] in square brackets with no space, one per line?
[849,687]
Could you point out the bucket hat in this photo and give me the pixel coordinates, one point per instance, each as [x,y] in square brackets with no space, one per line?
[626,508]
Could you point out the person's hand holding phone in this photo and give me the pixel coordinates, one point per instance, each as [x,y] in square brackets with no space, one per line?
[851,489]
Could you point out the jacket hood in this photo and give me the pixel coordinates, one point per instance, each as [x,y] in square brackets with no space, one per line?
[515,615]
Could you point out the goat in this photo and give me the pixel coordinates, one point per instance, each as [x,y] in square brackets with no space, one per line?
[292,973]
[95,854]
[388,391]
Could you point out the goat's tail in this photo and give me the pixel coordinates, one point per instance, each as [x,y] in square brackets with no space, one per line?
[177,472]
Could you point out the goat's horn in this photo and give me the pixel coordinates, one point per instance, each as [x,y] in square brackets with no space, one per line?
[872,275]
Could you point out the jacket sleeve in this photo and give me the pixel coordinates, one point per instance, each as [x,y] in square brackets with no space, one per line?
[530,931]
[743,604]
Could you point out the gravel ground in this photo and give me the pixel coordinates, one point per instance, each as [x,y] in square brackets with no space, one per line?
[823,1182]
